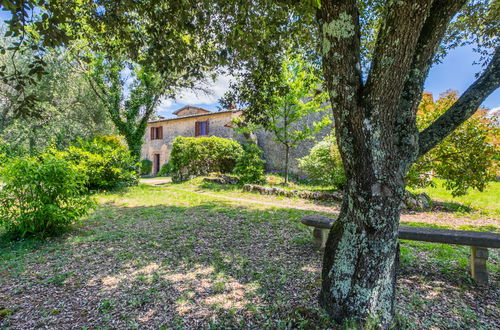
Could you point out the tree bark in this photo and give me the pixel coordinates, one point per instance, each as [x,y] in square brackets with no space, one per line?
[362,254]
[287,151]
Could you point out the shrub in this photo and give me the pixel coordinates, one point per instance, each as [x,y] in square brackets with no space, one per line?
[146,167]
[323,165]
[165,170]
[41,196]
[465,158]
[199,156]
[106,162]
[250,165]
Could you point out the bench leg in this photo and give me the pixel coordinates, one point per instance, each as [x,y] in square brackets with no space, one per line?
[320,236]
[478,259]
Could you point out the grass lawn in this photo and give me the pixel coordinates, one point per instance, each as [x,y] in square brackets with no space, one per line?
[486,202]
[161,257]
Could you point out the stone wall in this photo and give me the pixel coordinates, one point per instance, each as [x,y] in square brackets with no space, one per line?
[274,152]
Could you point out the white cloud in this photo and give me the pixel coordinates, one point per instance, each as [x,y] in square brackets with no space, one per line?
[188,96]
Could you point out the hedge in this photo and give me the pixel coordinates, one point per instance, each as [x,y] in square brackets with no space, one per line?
[201,155]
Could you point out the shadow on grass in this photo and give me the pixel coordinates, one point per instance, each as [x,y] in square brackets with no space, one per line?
[207,265]
[451,207]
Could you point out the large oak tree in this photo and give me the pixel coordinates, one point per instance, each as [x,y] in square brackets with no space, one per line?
[375,57]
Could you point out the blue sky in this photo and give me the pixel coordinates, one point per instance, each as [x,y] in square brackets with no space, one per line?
[455,72]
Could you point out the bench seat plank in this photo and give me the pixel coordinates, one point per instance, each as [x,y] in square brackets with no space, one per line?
[447,236]
[478,241]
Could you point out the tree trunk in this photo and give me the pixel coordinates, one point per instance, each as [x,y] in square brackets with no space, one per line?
[287,151]
[134,144]
[362,255]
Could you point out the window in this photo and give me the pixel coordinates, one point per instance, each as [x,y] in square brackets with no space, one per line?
[156,133]
[201,128]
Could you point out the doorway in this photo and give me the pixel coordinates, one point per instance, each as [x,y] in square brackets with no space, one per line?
[156,162]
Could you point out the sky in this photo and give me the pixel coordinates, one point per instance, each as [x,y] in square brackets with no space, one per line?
[456,72]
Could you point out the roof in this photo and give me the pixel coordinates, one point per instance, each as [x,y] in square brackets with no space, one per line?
[187,107]
[193,116]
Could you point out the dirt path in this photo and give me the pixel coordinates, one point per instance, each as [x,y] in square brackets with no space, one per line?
[434,217]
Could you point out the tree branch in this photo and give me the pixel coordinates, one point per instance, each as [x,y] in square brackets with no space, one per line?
[463,108]
[396,45]
[442,12]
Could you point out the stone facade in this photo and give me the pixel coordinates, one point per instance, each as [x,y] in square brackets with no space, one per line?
[185,126]
[219,124]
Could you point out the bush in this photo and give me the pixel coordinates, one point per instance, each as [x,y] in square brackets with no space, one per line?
[323,165]
[199,156]
[465,159]
[106,162]
[250,165]
[41,196]
[165,170]
[146,167]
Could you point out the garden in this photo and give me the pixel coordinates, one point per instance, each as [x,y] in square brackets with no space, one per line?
[348,197]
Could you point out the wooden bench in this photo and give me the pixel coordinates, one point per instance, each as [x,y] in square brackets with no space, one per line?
[479,242]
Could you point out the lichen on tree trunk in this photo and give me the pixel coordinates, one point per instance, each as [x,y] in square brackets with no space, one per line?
[361,257]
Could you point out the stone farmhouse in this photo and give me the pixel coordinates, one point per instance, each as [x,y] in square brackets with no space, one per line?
[191,121]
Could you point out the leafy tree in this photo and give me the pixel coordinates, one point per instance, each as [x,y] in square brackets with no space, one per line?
[294,93]
[63,105]
[464,159]
[375,58]
[130,100]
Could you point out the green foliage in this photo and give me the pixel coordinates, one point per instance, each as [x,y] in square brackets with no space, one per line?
[464,159]
[63,106]
[283,100]
[41,196]
[250,165]
[199,156]
[165,170]
[323,165]
[130,102]
[146,166]
[105,161]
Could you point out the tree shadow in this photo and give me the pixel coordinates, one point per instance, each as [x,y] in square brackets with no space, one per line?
[208,265]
